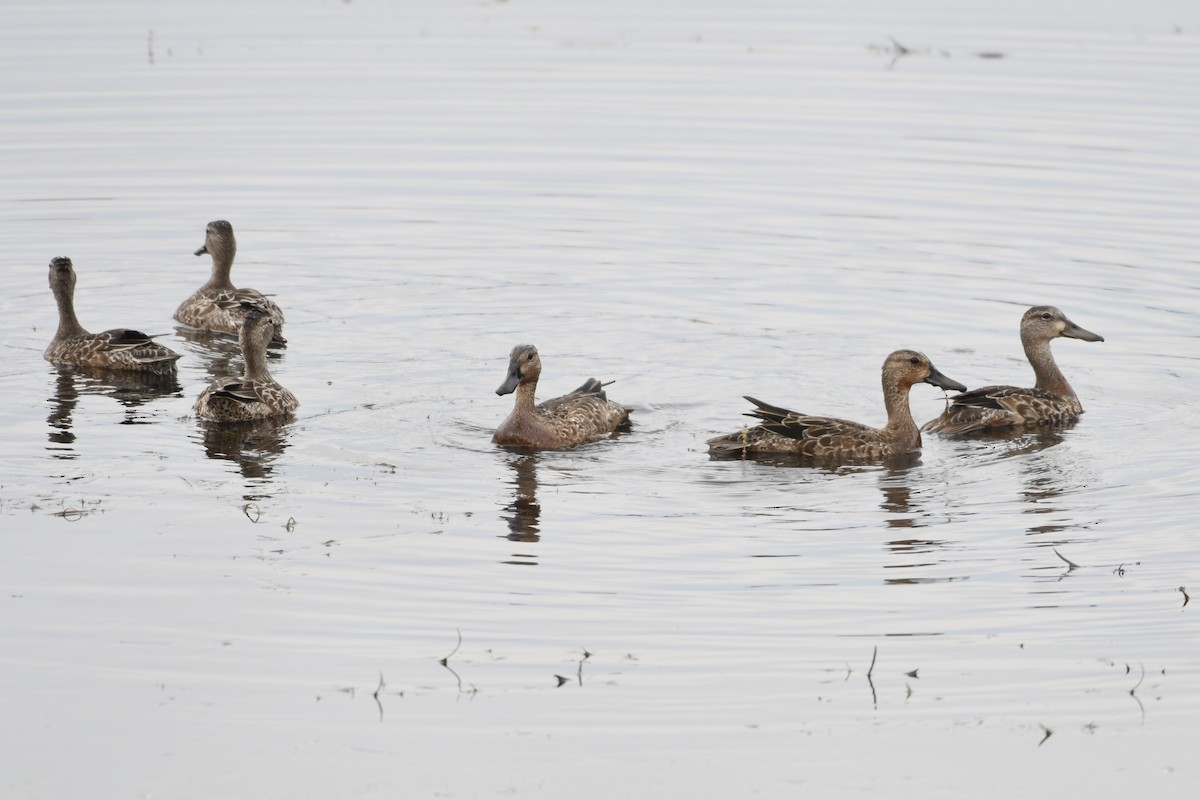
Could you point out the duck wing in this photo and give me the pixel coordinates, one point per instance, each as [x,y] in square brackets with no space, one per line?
[999,406]
[129,348]
[797,425]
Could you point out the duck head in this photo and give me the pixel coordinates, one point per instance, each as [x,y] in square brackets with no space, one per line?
[524,366]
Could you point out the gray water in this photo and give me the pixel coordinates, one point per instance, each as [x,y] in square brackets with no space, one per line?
[699,201]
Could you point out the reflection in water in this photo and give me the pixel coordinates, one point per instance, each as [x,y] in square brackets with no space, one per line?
[1022,441]
[253,446]
[130,389]
[220,353]
[897,494]
[833,467]
[1046,477]
[523,512]
[897,500]
[907,514]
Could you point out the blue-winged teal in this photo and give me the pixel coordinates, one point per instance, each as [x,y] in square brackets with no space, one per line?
[1051,401]
[566,421]
[119,348]
[209,308]
[830,439]
[255,395]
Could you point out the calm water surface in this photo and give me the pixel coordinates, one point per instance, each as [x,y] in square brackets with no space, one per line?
[698,201]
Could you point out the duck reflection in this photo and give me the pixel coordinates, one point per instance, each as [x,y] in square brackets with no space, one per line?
[523,513]
[1044,472]
[907,512]
[897,492]
[1050,479]
[253,446]
[1017,442]
[130,389]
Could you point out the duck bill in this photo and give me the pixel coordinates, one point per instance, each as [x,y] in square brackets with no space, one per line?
[942,382]
[1073,331]
[203,249]
[510,383]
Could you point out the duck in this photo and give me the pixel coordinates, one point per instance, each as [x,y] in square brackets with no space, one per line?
[1051,401]
[831,439]
[119,348]
[577,417]
[254,395]
[210,307]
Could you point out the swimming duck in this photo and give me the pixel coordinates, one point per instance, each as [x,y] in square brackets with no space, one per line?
[1051,401]
[830,439]
[119,348]
[255,395]
[209,308]
[566,421]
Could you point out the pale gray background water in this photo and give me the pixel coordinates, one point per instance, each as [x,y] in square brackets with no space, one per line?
[698,200]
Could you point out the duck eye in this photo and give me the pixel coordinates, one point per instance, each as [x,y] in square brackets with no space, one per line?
[914,360]
[1047,315]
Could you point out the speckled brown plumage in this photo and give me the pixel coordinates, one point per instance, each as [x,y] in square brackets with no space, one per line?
[217,305]
[254,395]
[119,348]
[566,421]
[831,439]
[1051,401]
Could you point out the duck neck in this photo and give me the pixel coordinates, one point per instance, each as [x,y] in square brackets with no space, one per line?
[900,425]
[523,403]
[254,351]
[222,264]
[68,323]
[1049,376]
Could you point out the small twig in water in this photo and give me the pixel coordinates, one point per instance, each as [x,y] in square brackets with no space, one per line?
[1047,735]
[290,525]
[457,677]
[912,674]
[257,512]
[379,689]
[444,663]
[455,650]
[1139,683]
[561,680]
[1183,591]
[871,669]
[898,52]
[1070,564]
[1133,691]
[579,672]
